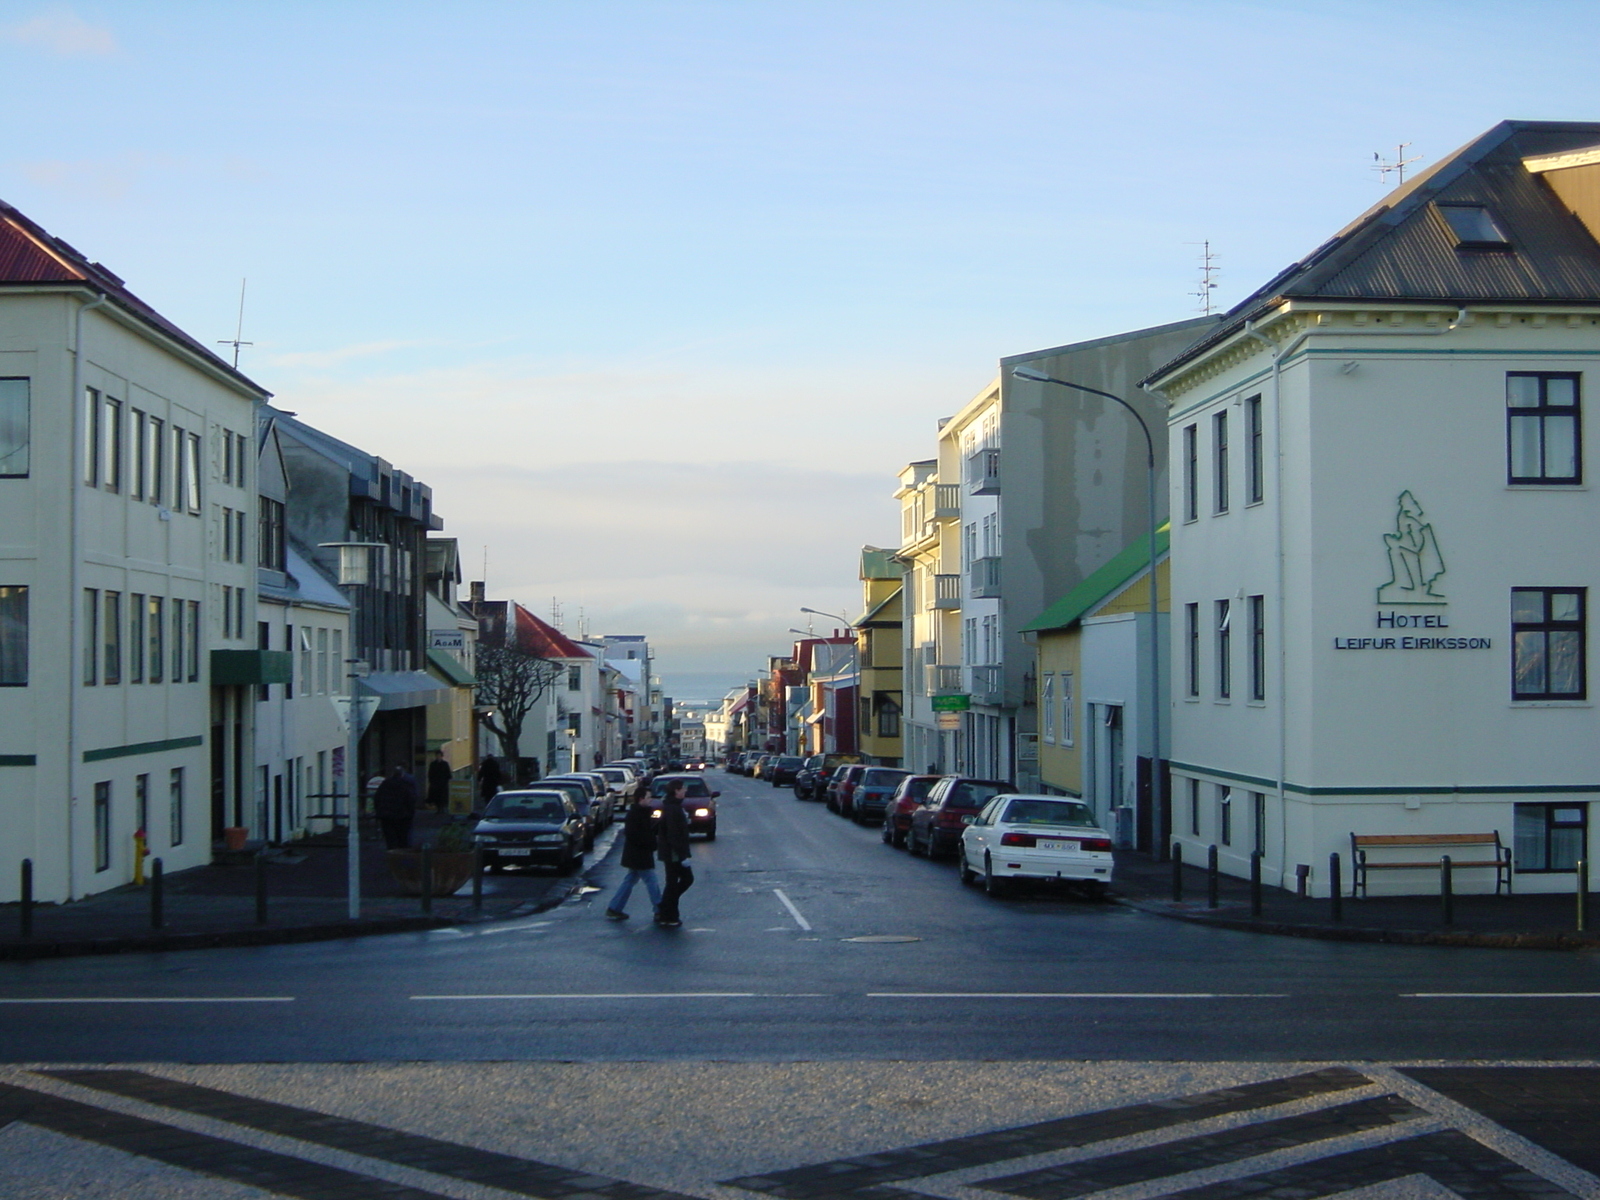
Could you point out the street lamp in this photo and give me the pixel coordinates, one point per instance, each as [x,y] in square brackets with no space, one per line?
[1157,800]
[835,616]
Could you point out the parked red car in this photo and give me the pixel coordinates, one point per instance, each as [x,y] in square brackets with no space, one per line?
[936,826]
[841,786]
[907,798]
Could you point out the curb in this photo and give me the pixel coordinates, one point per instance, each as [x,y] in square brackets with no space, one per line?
[1355,933]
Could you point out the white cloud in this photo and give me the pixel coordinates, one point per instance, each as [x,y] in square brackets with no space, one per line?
[61,31]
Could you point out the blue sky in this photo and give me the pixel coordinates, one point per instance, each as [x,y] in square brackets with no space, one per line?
[660,296]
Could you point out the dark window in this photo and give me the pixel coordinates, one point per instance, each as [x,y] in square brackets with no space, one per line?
[1258,647]
[138,467]
[111,444]
[1224,649]
[91,436]
[1474,227]
[888,719]
[270,541]
[111,626]
[574,679]
[15,424]
[1547,644]
[155,455]
[1219,462]
[1191,657]
[192,639]
[136,638]
[1258,482]
[1550,837]
[102,826]
[1543,428]
[13,636]
[158,645]
[191,472]
[91,636]
[1191,466]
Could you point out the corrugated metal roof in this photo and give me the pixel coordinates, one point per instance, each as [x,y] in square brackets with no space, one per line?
[1401,250]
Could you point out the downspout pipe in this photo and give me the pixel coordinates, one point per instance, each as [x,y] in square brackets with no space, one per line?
[75,584]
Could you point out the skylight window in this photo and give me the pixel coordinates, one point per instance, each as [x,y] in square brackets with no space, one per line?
[1475,227]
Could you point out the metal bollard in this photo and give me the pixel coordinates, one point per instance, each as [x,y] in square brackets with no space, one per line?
[1255,883]
[427,879]
[1177,871]
[1335,888]
[157,907]
[1302,879]
[1581,887]
[1447,890]
[261,887]
[477,878]
[25,910]
[1212,878]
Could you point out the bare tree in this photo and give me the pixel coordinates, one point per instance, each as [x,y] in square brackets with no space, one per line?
[511,682]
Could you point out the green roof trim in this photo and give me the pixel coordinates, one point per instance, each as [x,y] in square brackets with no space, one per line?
[452,670]
[1102,584]
[872,613]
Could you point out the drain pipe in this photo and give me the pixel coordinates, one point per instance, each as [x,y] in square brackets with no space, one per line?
[75,588]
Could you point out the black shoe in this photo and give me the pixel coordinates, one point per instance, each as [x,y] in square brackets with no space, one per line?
[616,914]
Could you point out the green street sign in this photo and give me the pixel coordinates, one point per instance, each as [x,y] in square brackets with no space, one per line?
[956,703]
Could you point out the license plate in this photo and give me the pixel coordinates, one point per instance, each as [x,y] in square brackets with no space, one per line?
[1056,844]
[515,853]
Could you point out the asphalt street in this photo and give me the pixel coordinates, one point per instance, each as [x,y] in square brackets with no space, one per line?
[834,1018]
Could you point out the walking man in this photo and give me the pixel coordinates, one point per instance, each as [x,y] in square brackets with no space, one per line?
[439,776]
[394,804]
[638,857]
[672,844]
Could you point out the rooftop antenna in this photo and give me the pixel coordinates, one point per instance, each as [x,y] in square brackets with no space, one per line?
[555,614]
[1398,166]
[1208,277]
[238,331]
[485,575]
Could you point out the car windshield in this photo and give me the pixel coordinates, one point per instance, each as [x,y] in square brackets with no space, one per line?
[694,789]
[882,777]
[1049,812]
[973,794]
[509,806]
[787,763]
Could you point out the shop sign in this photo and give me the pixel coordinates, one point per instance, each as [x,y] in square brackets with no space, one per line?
[947,720]
[955,703]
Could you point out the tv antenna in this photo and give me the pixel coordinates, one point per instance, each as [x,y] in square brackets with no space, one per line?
[238,332]
[1398,166]
[1208,277]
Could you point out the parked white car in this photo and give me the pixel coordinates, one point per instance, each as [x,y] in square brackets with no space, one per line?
[1036,837]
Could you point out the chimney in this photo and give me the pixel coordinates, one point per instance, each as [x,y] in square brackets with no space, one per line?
[476,591]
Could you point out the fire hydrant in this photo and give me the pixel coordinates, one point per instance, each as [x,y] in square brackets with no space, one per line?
[141,851]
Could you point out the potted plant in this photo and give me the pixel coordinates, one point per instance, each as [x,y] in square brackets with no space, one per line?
[451,862]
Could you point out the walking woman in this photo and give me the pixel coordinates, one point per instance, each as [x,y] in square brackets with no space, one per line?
[672,844]
[638,857]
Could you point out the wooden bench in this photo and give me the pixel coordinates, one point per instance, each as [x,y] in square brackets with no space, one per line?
[1360,843]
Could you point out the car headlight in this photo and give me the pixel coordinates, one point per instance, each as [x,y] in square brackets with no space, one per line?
[548,837]
[702,812]
[483,839]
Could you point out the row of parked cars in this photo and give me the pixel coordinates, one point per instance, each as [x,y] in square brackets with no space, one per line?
[553,822]
[994,833]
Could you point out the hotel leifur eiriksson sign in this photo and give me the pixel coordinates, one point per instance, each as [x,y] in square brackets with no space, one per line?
[1416,569]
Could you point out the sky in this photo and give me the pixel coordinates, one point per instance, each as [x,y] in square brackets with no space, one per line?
[660,296]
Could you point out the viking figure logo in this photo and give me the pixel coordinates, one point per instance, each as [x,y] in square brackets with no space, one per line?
[1415,563]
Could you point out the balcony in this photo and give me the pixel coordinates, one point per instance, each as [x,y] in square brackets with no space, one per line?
[946,591]
[983,473]
[983,579]
[942,678]
[988,684]
[947,500]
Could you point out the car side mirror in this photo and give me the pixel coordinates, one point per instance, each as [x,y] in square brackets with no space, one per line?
[714,795]
[969,820]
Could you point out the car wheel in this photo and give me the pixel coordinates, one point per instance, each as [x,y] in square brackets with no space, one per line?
[711,834]
[968,875]
[897,837]
[992,883]
[912,847]
[888,832]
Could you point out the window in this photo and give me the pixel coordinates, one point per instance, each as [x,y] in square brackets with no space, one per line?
[227,455]
[227,535]
[179,475]
[969,545]
[1550,837]
[1224,649]
[305,659]
[269,535]
[338,662]
[888,718]
[1047,706]
[192,637]
[136,638]
[91,437]
[13,636]
[288,644]
[1474,227]
[91,636]
[177,641]
[322,662]
[191,472]
[175,808]
[102,826]
[111,626]
[138,432]
[1258,647]
[1258,481]
[1219,462]
[15,428]
[574,679]
[1065,708]
[1542,428]
[1194,808]
[155,461]
[111,444]
[1191,653]
[158,646]
[241,460]
[238,535]
[1191,467]
[1547,644]
[1224,815]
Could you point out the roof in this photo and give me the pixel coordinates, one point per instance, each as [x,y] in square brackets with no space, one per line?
[30,256]
[452,670]
[877,563]
[543,640]
[304,583]
[872,613]
[1401,249]
[1104,583]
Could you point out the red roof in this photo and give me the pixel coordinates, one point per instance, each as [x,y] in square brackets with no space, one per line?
[543,640]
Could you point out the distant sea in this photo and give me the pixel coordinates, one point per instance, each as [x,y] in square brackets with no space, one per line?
[703,687]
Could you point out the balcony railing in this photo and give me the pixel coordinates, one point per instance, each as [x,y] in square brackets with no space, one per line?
[946,591]
[987,684]
[947,500]
[983,578]
[983,473]
[942,678]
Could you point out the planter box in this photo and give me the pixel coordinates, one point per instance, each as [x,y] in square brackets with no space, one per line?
[450,871]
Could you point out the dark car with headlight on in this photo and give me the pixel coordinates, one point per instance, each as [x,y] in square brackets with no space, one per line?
[531,828]
[699,801]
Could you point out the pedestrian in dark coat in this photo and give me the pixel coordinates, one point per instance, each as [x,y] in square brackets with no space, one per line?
[672,844]
[394,804]
[489,778]
[439,776]
[638,857]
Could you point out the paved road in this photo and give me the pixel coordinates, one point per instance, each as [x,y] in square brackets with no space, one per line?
[1036,1046]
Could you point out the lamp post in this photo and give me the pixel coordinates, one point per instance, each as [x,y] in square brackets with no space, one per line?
[1157,799]
[354,571]
[845,621]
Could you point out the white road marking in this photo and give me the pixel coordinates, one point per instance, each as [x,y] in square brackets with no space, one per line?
[1078,995]
[636,996]
[793,911]
[1500,995]
[148,1000]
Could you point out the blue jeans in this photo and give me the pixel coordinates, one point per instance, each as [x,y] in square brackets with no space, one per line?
[619,902]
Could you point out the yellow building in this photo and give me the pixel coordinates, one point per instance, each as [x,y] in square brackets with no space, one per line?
[878,651]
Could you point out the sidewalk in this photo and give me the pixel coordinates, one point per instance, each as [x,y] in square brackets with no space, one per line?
[307,901]
[1538,922]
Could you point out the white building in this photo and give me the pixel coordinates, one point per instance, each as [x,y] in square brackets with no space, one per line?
[127,577]
[1383,530]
